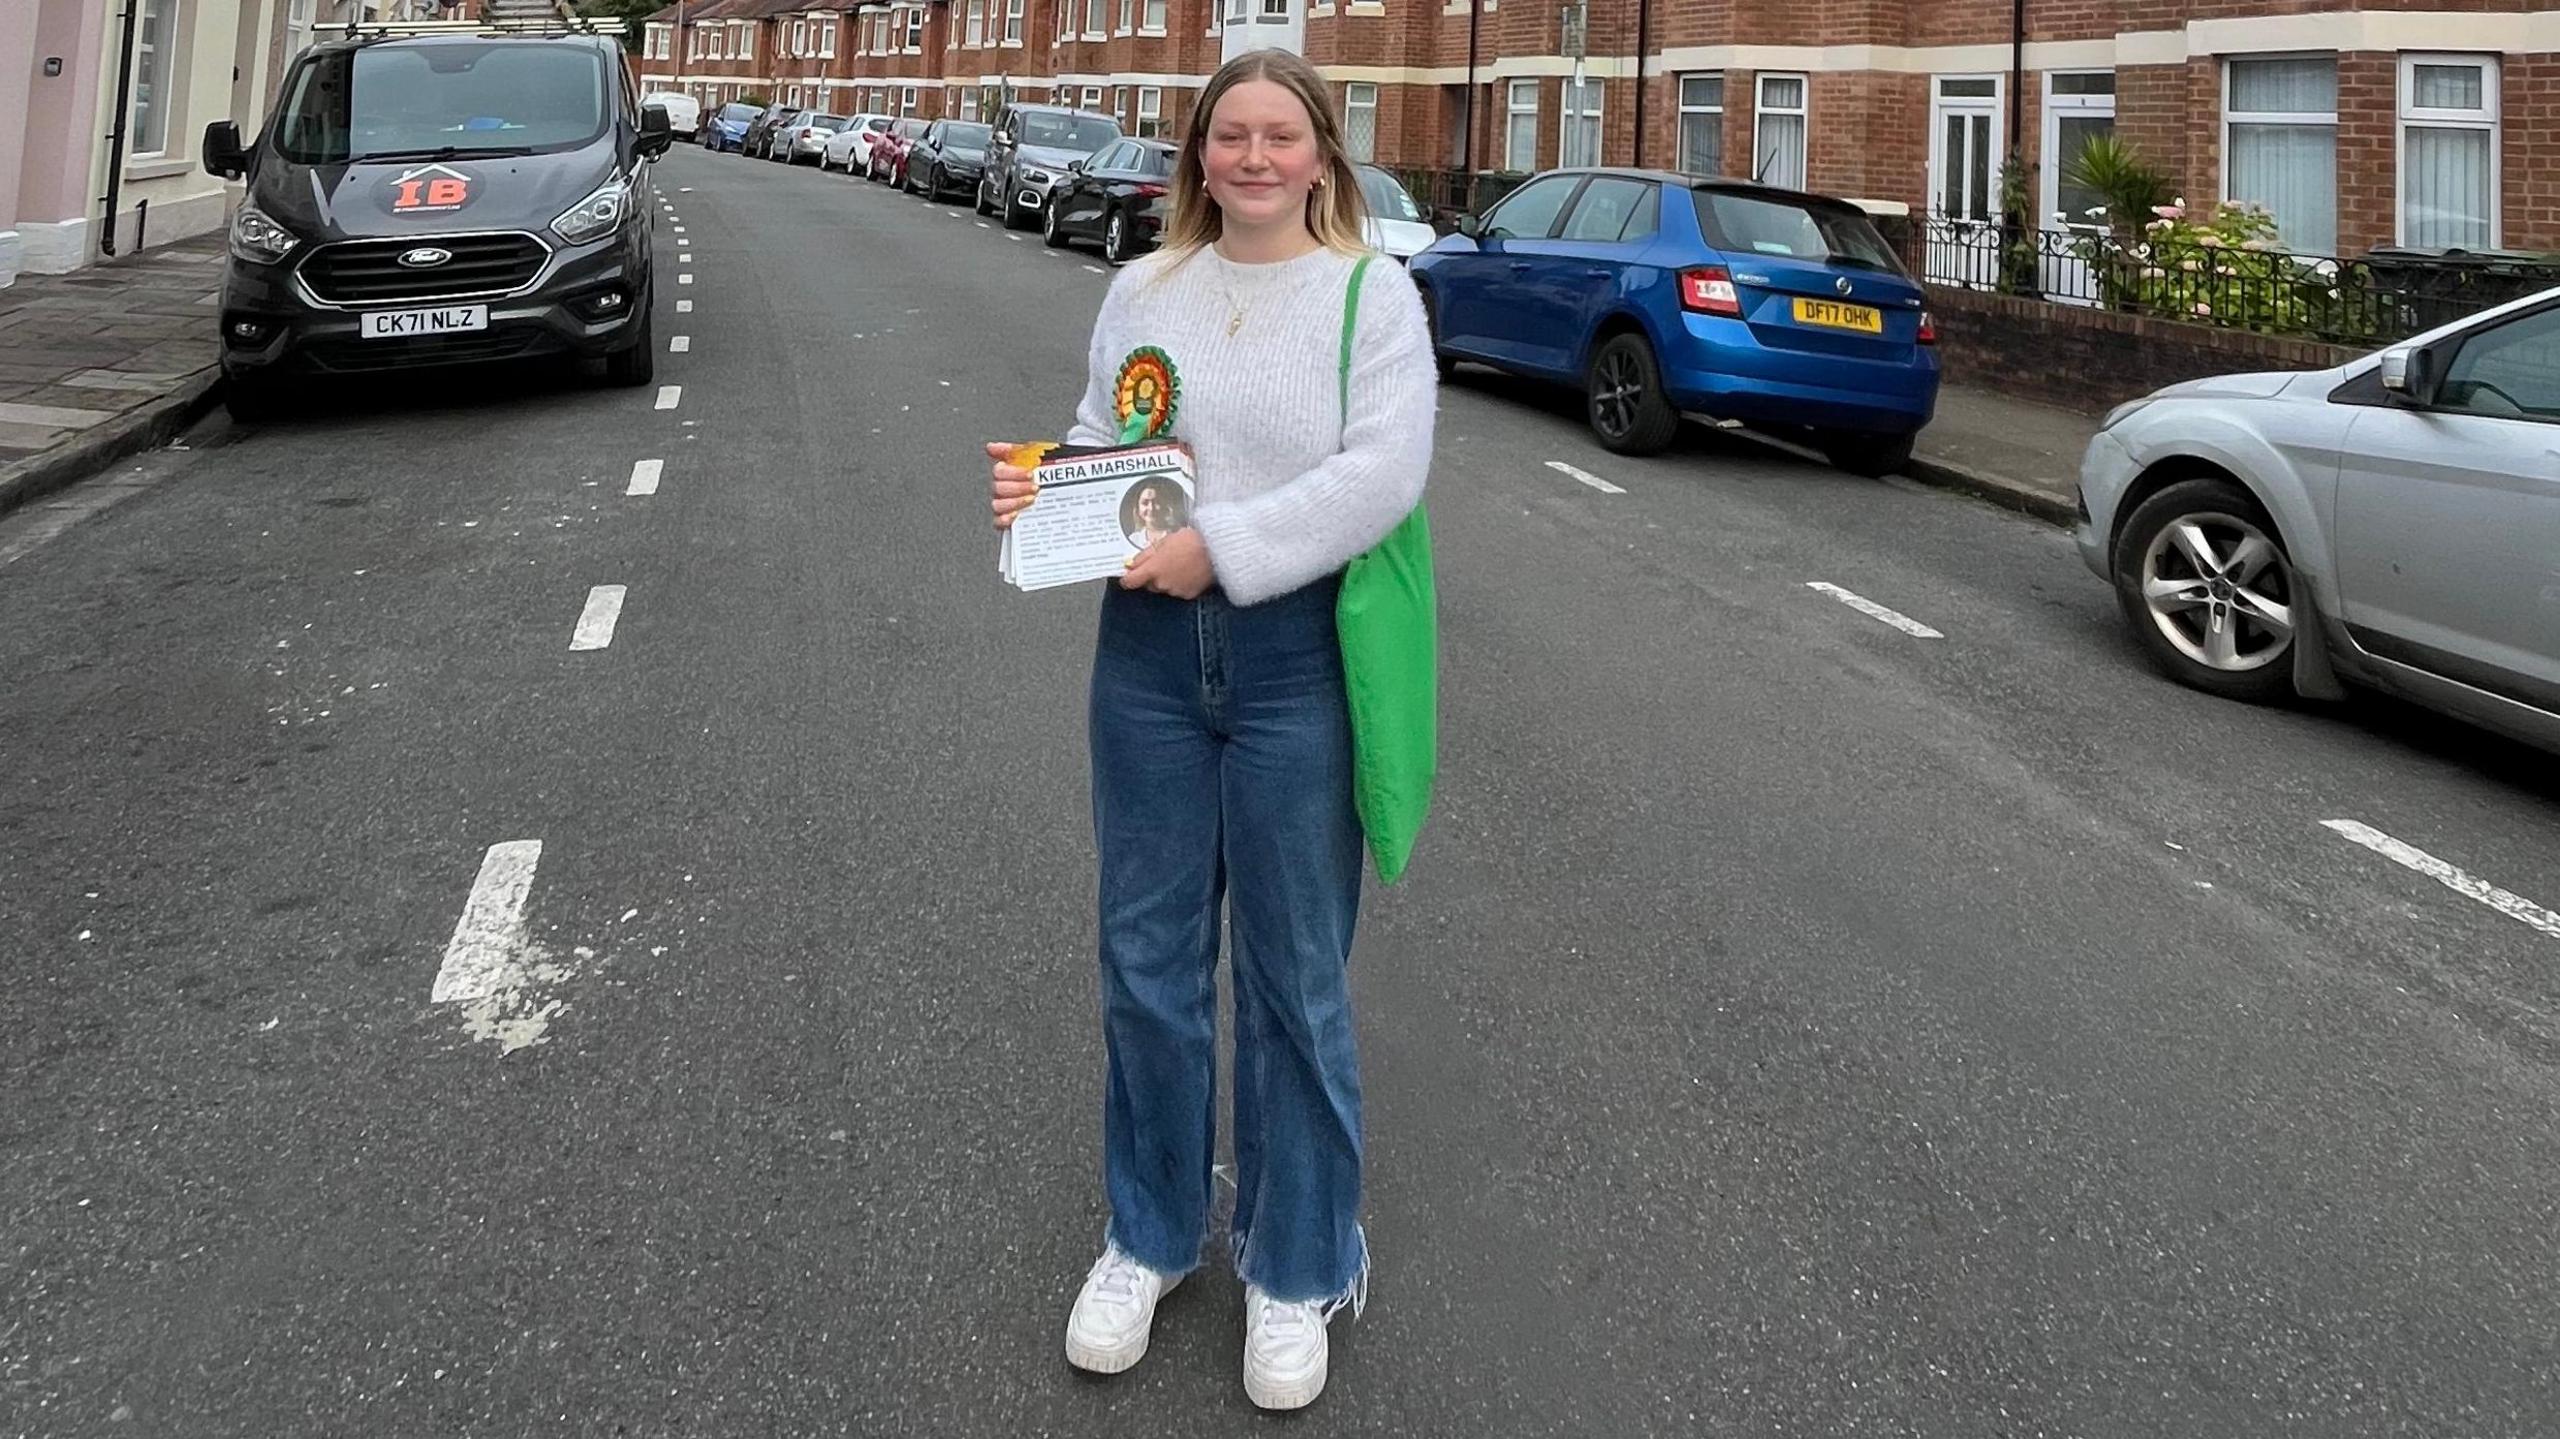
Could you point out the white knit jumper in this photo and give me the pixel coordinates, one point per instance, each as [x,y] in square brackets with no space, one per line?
[1288,491]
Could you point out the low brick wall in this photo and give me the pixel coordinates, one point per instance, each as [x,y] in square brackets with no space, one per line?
[2091,359]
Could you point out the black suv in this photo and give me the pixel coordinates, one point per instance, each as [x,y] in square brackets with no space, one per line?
[1030,151]
[437,199]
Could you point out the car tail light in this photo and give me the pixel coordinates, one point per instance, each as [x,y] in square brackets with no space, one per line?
[1928,328]
[1709,291]
[1150,191]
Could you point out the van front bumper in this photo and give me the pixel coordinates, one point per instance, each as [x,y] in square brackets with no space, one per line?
[588,301]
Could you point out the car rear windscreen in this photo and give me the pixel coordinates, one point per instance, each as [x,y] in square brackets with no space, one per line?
[1740,223]
[968,137]
[417,101]
[1067,132]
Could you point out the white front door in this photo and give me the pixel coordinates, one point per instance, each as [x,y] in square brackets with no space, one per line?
[2078,107]
[1964,180]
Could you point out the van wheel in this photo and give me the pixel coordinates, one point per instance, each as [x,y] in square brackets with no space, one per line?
[249,401]
[1873,456]
[1628,410]
[2203,577]
[639,364]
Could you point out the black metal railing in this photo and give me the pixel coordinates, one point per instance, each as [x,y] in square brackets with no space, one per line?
[1444,194]
[2200,278]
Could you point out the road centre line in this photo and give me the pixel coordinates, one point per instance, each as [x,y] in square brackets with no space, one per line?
[491,931]
[1585,476]
[685,258]
[644,476]
[684,307]
[680,344]
[2516,907]
[596,621]
[1097,269]
[680,244]
[669,396]
[1872,610]
[685,279]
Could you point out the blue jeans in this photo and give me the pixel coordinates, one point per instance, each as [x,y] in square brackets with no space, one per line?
[1222,770]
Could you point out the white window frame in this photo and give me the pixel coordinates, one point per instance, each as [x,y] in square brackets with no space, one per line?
[1942,105]
[746,40]
[1090,99]
[1150,112]
[799,38]
[2491,117]
[1153,16]
[827,38]
[1595,92]
[1761,109]
[908,98]
[1274,12]
[1128,18]
[1682,110]
[1513,161]
[1013,24]
[1354,99]
[1097,19]
[975,31]
[1066,21]
[2329,118]
[1238,12]
[968,103]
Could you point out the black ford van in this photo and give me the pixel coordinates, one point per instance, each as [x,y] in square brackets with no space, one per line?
[436,199]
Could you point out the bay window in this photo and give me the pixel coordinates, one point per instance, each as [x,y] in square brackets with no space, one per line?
[2281,145]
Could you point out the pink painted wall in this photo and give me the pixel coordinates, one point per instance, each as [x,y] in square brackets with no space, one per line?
[57,143]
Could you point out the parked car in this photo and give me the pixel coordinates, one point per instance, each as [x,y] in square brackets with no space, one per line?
[760,132]
[383,225]
[1027,152]
[1661,295]
[948,157]
[1396,227]
[802,138]
[727,127]
[889,152]
[849,149]
[684,113]
[2389,523]
[1121,197]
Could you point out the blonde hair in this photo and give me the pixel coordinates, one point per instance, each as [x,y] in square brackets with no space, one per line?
[1335,211]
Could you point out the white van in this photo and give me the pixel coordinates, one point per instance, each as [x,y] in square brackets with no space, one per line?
[684,113]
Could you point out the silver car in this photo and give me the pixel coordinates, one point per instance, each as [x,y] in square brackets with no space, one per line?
[2392,523]
[803,139]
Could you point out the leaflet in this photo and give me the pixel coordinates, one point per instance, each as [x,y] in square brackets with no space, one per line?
[1097,509]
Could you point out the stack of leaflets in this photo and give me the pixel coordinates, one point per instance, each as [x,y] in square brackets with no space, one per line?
[1097,509]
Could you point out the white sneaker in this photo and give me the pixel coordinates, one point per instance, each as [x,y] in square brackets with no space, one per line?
[1107,1331]
[1284,1351]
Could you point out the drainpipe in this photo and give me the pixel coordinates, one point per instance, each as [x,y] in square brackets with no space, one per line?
[1644,42]
[2017,88]
[115,137]
[1467,134]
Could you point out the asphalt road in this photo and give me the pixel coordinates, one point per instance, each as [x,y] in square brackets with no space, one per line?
[1792,1025]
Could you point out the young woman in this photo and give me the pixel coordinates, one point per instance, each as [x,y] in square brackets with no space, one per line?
[1220,740]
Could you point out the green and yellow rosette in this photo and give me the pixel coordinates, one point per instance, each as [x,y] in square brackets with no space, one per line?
[1146,396]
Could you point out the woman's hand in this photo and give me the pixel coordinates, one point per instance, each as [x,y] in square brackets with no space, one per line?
[1177,565]
[1013,485]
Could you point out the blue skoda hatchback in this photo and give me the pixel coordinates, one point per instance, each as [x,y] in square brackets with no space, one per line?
[1662,295]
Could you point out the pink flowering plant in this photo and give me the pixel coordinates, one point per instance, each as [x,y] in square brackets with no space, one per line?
[2224,265]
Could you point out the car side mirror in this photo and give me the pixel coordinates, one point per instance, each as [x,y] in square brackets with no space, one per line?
[224,155]
[1471,226]
[1076,166]
[2413,375]
[656,131]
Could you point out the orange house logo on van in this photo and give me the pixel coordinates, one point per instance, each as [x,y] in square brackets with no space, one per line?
[430,190]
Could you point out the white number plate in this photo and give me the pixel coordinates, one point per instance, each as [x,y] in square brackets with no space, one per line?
[388,324]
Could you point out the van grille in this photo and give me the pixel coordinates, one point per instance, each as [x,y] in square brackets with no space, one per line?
[358,356]
[361,272]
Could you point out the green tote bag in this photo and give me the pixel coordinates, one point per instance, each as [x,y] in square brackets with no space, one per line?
[1388,617]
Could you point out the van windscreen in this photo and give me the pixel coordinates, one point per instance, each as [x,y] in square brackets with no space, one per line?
[403,102]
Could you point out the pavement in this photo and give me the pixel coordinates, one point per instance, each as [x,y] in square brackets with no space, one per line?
[1795,1023]
[104,362]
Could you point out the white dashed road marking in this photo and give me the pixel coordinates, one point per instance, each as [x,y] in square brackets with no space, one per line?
[1871,609]
[680,344]
[491,931]
[684,307]
[1585,476]
[685,279]
[595,622]
[2516,907]
[669,395]
[686,258]
[644,476]
[1097,269]
[681,244]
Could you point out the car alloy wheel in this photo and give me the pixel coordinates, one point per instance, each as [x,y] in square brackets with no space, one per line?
[1115,239]
[1628,410]
[2217,589]
[1053,232]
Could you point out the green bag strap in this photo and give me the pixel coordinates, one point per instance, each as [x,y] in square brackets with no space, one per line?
[1350,324]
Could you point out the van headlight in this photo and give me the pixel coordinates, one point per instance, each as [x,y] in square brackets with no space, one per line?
[258,239]
[596,215]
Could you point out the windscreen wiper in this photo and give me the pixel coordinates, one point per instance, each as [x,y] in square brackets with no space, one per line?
[438,152]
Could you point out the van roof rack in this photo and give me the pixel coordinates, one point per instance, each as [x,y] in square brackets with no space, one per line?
[505,17]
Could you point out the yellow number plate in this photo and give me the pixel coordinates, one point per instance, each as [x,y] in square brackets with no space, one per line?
[1833,315]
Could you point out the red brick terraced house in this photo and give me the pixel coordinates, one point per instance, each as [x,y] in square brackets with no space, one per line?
[2412,122]
[894,64]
